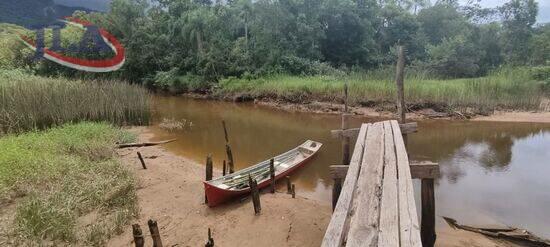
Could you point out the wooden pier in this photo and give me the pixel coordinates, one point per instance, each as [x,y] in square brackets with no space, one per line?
[376,206]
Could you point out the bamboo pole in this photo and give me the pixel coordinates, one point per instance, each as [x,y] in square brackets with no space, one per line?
[224,168]
[272,174]
[138,235]
[155,234]
[141,160]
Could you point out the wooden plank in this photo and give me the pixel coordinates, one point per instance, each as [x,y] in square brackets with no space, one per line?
[408,218]
[337,228]
[338,171]
[389,209]
[406,128]
[419,170]
[365,219]
[424,170]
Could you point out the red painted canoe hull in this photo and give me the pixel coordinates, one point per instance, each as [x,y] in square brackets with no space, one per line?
[217,196]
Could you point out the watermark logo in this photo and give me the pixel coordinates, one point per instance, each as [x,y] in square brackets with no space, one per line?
[95,41]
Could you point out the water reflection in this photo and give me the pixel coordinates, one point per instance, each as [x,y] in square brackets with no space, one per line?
[490,172]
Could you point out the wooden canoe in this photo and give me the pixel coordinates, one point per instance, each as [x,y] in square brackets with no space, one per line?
[233,185]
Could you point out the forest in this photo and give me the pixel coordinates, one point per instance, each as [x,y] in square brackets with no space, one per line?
[243,46]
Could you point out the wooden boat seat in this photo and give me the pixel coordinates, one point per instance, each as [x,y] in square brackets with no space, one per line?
[376,206]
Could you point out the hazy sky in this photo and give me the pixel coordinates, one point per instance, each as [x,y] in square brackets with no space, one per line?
[544,6]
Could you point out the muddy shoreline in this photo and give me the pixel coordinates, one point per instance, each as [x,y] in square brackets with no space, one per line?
[386,110]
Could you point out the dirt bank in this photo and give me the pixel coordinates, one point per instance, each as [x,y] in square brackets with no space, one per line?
[170,191]
[387,110]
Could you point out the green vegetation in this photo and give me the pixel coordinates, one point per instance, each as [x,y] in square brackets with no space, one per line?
[67,185]
[179,43]
[507,88]
[28,102]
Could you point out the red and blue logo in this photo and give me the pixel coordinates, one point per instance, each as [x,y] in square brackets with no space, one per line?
[100,40]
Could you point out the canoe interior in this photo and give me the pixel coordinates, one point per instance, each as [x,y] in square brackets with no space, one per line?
[239,180]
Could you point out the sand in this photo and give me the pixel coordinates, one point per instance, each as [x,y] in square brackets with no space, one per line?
[525,117]
[171,192]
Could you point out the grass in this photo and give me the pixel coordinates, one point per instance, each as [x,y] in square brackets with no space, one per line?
[30,102]
[506,89]
[67,185]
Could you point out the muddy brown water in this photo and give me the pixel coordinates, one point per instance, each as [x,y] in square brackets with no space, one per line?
[491,172]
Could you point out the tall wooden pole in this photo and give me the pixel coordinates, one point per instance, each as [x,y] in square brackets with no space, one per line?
[209,172]
[272,174]
[399,78]
[427,227]
[230,162]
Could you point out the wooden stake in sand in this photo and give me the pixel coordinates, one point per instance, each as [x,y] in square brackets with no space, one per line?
[272,174]
[155,234]
[224,168]
[288,185]
[210,242]
[255,195]
[293,191]
[141,160]
[209,171]
[228,150]
[138,235]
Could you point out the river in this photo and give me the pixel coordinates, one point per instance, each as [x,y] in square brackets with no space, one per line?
[491,172]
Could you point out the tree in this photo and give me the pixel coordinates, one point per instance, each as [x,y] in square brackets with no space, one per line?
[519,16]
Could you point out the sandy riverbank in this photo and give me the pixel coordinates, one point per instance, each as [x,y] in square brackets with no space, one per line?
[170,191]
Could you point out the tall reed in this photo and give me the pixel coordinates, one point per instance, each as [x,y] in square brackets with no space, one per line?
[31,102]
[504,89]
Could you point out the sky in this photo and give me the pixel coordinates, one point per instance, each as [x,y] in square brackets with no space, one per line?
[544,8]
[543,17]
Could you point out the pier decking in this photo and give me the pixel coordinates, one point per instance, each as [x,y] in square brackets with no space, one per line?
[376,204]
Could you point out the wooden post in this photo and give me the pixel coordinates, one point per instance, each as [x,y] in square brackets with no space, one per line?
[255,195]
[155,234]
[138,235]
[336,190]
[209,172]
[427,228]
[141,160]
[272,174]
[345,140]
[224,168]
[399,77]
[210,242]
[293,191]
[228,150]
[288,185]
